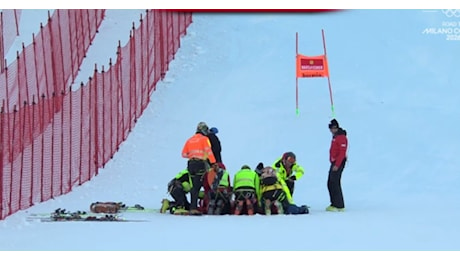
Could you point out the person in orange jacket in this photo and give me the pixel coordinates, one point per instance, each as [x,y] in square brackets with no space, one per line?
[217,191]
[197,149]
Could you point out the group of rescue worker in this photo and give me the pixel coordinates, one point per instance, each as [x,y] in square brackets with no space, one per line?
[262,190]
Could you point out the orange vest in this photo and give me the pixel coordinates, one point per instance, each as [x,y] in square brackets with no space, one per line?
[198,147]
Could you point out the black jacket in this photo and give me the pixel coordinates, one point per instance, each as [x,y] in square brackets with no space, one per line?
[215,146]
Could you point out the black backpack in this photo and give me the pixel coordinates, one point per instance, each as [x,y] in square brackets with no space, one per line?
[268,176]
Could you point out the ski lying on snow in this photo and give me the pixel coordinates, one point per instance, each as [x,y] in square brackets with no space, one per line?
[84,217]
[62,215]
[123,210]
[63,212]
[137,210]
[91,219]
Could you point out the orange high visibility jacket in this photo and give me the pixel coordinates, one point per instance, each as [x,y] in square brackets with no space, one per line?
[198,147]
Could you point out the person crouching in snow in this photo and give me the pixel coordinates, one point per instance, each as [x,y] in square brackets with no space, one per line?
[217,191]
[288,170]
[275,197]
[178,188]
[274,193]
[246,185]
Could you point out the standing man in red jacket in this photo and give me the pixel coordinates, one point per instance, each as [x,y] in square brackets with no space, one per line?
[338,158]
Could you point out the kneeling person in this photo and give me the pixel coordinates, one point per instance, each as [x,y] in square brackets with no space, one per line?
[246,185]
[217,190]
[275,196]
[178,189]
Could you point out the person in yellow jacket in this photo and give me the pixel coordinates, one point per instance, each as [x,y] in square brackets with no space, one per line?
[275,196]
[197,149]
[178,188]
[246,184]
[288,170]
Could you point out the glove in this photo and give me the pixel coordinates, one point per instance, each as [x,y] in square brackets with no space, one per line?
[292,178]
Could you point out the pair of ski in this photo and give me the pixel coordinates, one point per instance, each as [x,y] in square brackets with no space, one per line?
[216,206]
[105,218]
[62,215]
[126,209]
[86,217]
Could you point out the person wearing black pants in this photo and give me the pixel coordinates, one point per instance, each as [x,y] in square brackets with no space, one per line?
[197,169]
[197,149]
[338,158]
[178,189]
[335,187]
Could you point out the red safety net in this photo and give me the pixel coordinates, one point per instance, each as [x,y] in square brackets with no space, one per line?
[53,138]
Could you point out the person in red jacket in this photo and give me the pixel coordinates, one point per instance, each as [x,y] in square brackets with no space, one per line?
[338,158]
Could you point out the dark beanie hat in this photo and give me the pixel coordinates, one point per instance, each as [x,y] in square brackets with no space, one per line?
[333,123]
